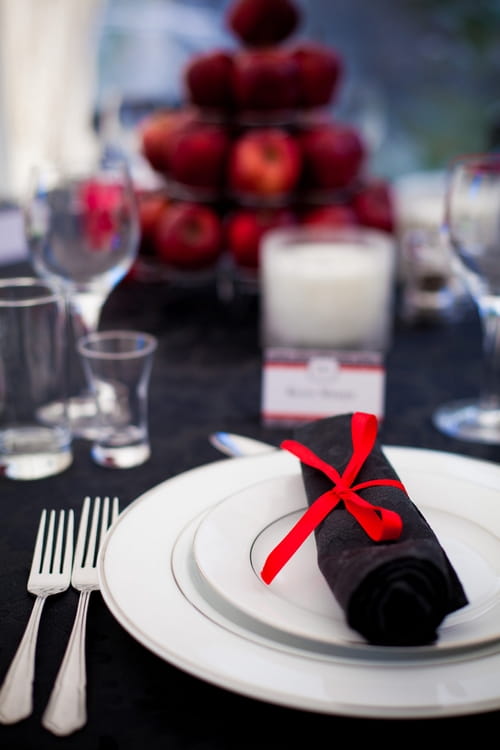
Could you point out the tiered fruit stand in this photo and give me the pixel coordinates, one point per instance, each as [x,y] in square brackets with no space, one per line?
[255,146]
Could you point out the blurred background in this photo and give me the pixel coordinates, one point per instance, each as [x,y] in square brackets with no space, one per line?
[421,76]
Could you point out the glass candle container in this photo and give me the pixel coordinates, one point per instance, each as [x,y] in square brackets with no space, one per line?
[327,288]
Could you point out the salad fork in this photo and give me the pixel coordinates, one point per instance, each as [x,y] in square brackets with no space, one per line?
[66,710]
[50,574]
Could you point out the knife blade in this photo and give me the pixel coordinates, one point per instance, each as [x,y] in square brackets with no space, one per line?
[238,445]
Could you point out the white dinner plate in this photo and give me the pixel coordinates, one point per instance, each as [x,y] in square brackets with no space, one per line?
[151,567]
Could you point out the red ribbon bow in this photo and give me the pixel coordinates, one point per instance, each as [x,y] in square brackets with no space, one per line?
[380,524]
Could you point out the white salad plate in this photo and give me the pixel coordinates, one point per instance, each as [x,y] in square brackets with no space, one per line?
[298,607]
[180,568]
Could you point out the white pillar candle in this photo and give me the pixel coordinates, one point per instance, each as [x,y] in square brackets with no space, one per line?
[327,289]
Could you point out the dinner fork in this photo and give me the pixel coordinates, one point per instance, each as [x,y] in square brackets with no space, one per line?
[66,710]
[50,574]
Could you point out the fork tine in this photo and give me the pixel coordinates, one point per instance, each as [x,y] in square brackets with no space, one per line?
[92,538]
[49,543]
[36,563]
[68,552]
[82,532]
[104,521]
[115,510]
[57,558]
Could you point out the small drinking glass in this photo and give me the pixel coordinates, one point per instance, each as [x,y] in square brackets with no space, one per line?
[118,367]
[472,221]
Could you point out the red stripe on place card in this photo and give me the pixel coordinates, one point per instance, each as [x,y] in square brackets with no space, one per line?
[288,365]
[371,368]
[288,417]
[285,416]
[341,365]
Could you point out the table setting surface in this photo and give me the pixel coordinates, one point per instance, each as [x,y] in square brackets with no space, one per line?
[207,378]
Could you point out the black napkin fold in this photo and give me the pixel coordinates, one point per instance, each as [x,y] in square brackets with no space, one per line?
[393,593]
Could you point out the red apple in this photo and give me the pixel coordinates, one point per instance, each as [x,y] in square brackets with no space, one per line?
[208,79]
[245,228]
[265,79]
[374,206]
[156,133]
[331,215]
[198,156]
[151,206]
[99,203]
[319,72]
[188,236]
[264,162]
[333,155]
[262,22]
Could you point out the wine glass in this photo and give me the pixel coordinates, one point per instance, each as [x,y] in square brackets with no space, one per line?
[472,222]
[83,233]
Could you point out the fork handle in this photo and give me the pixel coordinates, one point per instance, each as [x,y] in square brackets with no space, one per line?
[66,710]
[16,694]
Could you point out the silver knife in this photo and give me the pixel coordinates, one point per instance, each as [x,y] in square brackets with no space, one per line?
[238,445]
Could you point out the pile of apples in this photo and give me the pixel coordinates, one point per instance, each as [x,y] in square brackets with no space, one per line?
[255,147]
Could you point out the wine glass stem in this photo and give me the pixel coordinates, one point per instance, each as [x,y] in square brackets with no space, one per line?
[85,311]
[490,385]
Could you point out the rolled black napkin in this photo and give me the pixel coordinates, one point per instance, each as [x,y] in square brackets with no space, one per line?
[393,592]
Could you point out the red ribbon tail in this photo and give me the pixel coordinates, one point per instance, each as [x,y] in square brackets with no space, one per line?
[299,532]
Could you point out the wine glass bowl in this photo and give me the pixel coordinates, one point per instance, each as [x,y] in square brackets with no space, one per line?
[472,223]
[83,233]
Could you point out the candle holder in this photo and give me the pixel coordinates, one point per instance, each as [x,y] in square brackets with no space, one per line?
[327,287]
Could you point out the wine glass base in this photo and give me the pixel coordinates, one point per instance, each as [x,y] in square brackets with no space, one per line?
[467,420]
[121,457]
[82,415]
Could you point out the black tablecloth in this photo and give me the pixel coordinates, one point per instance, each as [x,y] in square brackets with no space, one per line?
[206,377]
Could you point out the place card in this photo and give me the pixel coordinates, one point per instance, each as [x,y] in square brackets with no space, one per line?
[301,385]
